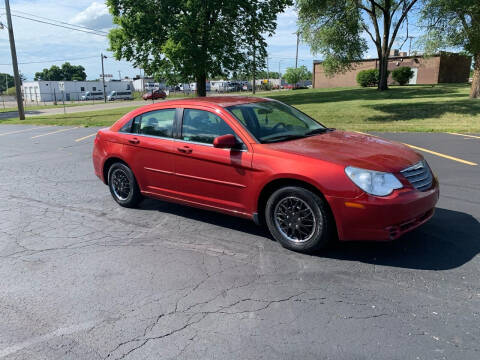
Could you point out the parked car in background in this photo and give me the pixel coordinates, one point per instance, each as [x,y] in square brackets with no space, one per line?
[120,95]
[263,160]
[92,95]
[155,94]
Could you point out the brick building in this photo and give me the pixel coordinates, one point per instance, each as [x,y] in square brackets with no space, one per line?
[441,68]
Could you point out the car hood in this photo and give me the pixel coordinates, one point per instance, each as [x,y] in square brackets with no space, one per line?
[354,149]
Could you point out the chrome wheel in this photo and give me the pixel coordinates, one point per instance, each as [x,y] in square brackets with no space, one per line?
[120,184]
[295,219]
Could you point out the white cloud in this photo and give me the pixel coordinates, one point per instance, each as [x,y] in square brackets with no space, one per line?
[95,16]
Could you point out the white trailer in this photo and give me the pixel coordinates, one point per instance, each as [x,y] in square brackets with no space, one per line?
[48,91]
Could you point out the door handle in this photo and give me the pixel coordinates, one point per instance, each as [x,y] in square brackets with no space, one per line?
[133,141]
[185,150]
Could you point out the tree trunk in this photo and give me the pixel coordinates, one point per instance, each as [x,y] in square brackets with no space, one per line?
[202,84]
[475,89]
[383,73]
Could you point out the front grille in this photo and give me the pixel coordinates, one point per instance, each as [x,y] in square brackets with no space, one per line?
[419,175]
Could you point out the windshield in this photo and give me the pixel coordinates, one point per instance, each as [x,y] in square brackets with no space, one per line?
[272,121]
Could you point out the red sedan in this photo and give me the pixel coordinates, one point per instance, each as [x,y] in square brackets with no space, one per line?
[264,160]
[156,94]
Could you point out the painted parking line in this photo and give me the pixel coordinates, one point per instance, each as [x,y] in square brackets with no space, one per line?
[442,155]
[433,152]
[465,135]
[25,130]
[85,137]
[54,132]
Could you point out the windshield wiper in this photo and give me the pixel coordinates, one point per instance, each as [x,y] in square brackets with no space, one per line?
[318,131]
[283,138]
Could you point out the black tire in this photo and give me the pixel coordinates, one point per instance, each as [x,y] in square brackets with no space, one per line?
[130,197]
[293,205]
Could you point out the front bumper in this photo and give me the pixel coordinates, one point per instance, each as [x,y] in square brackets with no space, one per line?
[383,218]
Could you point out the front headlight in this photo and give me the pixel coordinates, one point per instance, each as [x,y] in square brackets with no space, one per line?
[373,182]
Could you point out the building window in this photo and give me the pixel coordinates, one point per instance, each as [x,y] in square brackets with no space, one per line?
[82,88]
[128,87]
[94,88]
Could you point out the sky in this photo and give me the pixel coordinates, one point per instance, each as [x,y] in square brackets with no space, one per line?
[38,42]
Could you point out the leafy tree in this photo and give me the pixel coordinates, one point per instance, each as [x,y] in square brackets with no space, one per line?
[4,85]
[402,75]
[263,74]
[334,29]
[67,72]
[196,39]
[295,75]
[454,23]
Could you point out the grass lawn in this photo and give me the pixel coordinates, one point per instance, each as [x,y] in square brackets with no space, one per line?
[439,108]
[39,107]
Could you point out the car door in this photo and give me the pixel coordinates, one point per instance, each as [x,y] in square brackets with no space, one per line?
[207,175]
[149,147]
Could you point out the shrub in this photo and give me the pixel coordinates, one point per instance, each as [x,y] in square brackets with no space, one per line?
[402,75]
[367,77]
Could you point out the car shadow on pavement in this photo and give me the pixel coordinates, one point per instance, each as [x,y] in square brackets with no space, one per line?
[210,217]
[449,240]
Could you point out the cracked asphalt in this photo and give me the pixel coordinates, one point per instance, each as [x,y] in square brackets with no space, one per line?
[82,278]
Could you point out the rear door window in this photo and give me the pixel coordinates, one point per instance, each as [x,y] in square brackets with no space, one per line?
[155,123]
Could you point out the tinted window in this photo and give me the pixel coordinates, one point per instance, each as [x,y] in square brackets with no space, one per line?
[157,123]
[203,126]
[127,127]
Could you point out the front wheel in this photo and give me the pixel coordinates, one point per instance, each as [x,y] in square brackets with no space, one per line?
[123,186]
[298,219]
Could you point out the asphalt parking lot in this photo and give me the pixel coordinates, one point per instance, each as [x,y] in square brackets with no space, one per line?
[82,278]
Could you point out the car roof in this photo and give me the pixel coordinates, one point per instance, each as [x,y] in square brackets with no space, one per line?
[222,101]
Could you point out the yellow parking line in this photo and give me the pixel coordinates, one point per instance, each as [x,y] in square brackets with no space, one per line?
[442,155]
[434,153]
[24,130]
[54,132]
[359,132]
[470,136]
[85,137]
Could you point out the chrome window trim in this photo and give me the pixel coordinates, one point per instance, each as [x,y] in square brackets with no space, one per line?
[183,141]
[210,145]
[152,136]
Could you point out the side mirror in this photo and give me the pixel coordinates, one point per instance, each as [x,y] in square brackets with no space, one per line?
[225,141]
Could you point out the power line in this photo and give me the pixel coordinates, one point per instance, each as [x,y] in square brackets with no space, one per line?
[61,22]
[62,26]
[50,61]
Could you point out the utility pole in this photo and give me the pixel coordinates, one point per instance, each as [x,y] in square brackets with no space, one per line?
[16,74]
[119,75]
[268,72]
[410,45]
[103,79]
[254,68]
[296,56]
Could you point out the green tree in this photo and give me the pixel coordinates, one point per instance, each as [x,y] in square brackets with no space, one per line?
[295,75]
[6,81]
[67,72]
[196,39]
[263,74]
[454,23]
[333,28]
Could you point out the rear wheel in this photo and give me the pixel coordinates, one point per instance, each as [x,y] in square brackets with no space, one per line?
[123,186]
[298,219]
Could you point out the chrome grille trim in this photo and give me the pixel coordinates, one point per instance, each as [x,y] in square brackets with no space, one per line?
[419,175]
